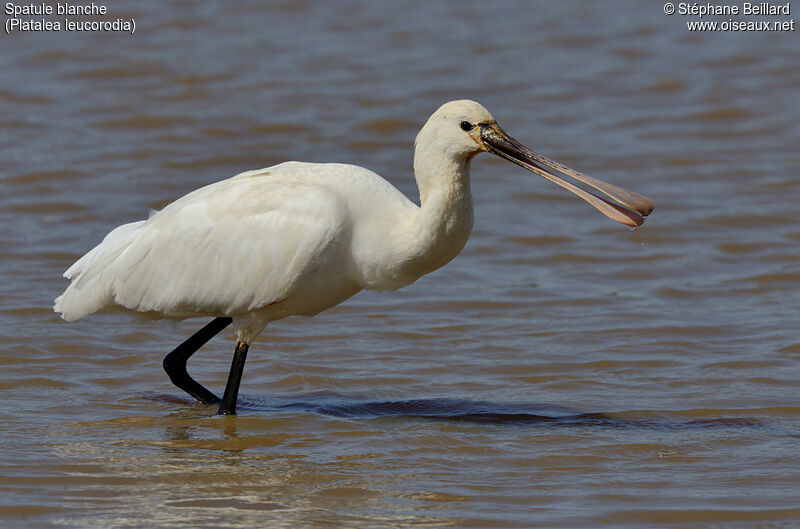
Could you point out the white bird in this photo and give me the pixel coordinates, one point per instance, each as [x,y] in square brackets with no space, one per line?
[297,238]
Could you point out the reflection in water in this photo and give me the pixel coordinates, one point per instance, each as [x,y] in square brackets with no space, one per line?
[295,460]
[466,411]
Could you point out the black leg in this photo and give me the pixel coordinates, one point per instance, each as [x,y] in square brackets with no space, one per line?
[228,405]
[175,362]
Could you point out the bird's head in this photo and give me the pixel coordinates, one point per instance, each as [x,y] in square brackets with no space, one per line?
[464,128]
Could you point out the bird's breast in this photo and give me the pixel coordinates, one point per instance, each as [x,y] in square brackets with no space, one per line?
[404,250]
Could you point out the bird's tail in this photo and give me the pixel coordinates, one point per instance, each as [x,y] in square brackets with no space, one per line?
[92,282]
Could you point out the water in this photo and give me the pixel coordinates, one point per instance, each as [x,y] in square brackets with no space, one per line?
[561,372]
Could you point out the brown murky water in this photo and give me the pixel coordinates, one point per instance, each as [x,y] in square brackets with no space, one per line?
[561,372]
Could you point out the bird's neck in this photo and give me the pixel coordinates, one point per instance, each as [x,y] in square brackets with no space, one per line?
[445,218]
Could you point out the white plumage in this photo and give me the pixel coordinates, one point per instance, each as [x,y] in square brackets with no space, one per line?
[297,238]
[257,247]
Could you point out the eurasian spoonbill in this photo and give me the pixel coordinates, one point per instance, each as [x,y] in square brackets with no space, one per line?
[298,238]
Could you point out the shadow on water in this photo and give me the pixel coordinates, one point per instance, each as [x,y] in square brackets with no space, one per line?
[476,411]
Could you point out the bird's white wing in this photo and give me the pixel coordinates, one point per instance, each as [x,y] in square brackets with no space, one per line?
[230,247]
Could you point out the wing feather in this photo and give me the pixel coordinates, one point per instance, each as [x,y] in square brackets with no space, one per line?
[230,247]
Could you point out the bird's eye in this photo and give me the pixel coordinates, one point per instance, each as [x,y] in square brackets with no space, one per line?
[466,125]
